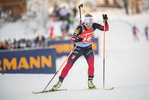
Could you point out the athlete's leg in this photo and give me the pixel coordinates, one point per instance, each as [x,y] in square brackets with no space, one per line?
[71,60]
[90,60]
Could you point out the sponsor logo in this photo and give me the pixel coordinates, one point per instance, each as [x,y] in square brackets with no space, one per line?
[62,48]
[73,57]
[90,20]
[86,34]
[24,63]
[75,52]
[77,31]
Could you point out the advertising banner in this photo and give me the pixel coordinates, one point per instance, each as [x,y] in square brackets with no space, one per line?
[65,46]
[28,61]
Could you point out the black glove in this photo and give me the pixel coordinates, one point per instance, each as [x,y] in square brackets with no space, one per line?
[79,39]
[105,17]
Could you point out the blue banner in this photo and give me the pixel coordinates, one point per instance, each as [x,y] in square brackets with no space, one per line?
[28,61]
[64,47]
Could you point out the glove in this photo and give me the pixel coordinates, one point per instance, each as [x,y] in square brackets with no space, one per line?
[105,17]
[79,39]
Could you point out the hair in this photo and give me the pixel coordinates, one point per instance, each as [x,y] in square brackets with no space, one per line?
[88,15]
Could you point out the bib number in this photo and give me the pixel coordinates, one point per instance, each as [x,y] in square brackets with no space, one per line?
[87,39]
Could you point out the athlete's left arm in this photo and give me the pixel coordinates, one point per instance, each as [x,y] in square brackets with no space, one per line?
[101,27]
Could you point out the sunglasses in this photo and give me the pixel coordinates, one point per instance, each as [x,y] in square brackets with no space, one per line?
[89,24]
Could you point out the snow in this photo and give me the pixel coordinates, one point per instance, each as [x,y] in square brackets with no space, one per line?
[126,68]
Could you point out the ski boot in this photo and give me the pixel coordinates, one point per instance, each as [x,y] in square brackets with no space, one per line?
[59,83]
[90,82]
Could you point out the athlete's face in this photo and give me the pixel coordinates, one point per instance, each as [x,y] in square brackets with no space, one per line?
[88,25]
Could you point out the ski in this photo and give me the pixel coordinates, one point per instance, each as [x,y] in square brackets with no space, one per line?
[101,88]
[48,91]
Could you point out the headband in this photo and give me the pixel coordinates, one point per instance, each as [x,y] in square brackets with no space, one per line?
[88,19]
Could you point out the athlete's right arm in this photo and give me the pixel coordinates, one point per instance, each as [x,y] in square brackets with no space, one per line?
[77,32]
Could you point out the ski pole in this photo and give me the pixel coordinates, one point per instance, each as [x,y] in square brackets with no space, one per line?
[68,55]
[61,66]
[80,12]
[104,57]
